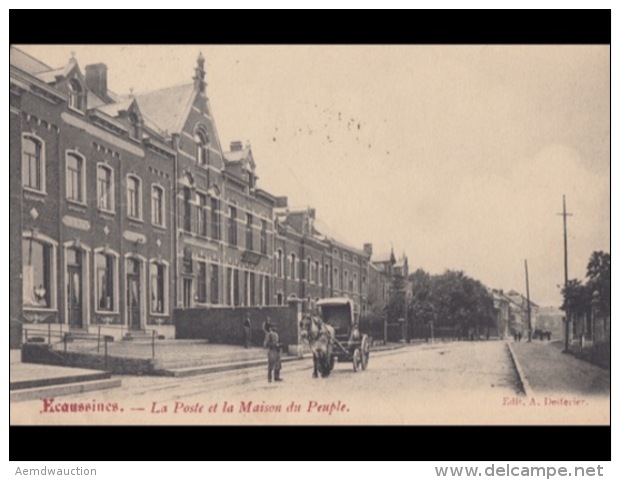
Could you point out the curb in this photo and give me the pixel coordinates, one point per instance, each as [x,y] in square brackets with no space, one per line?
[217,368]
[525,386]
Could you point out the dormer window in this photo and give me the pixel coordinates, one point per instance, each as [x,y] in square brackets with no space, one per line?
[202,147]
[135,126]
[76,95]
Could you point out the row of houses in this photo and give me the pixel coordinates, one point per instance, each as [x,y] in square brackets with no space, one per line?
[125,208]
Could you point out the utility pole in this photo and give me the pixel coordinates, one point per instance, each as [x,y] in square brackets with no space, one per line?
[529,308]
[567,320]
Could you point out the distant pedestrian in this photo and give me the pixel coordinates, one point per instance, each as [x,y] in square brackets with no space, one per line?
[272,344]
[247,330]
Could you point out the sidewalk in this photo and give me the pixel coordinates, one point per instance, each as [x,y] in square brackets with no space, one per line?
[168,357]
[547,370]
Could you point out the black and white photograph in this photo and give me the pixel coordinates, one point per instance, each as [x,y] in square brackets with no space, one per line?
[310,234]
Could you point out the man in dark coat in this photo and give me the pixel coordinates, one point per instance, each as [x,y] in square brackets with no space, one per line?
[272,344]
[247,331]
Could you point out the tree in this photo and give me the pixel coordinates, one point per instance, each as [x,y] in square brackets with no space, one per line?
[599,279]
[461,301]
[577,298]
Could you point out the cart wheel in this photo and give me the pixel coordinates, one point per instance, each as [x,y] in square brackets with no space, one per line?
[365,351]
[357,359]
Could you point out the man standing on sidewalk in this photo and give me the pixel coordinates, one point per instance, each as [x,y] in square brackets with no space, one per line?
[247,331]
[272,344]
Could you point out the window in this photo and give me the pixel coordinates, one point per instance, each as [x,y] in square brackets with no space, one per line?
[279,264]
[104,271]
[134,197]
[202,147]
[75,177]
[249,238]
[293,270]
[33,165]
[326,272]
[76,95]
[135,126]
[317,273]
[280,299]
[263,237]
[354,284]
[157,205]
[158,288]
[252,290]
[202,282]
[336,279]
[187,209]
[202,214]
[232,225]
[266,291]
[236,288]
[229,286]
[214,275]
[345,281]
[105,186]
[37,258]
[309,275]
[215,219]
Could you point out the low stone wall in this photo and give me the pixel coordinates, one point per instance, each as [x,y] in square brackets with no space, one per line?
[41,353]
[225,325]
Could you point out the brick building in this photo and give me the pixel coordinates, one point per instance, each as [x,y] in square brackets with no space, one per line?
[94,223]
[124,208]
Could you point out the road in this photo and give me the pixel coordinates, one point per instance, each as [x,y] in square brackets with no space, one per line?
[451,383]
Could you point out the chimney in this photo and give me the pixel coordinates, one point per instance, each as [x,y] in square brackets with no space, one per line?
[368,249]
[281,202]
[312,213]
[236,145]
[97,79]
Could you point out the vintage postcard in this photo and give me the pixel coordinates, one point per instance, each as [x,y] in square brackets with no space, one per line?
[335,235]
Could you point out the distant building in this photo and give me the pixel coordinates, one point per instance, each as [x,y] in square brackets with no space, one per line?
[519,313]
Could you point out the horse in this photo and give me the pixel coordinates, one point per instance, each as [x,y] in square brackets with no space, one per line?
[319,336]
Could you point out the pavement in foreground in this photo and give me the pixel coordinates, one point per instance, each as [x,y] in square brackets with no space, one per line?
[443,383]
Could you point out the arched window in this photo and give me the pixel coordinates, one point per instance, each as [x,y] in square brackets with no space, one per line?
[106,281]
[279,264]
[293,270]
[159,287]
[38,273]
[202,146]
[134,197]
[76,95]
[33,164]
[135,126]
[75,177]
[157,206]
[105,188]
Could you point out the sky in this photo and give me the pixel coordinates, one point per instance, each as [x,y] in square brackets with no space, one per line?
[457,156]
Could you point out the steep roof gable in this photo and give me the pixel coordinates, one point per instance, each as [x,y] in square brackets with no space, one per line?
[168,107]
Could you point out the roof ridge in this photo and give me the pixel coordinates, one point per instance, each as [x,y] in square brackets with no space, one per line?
[149,92]
[32,57]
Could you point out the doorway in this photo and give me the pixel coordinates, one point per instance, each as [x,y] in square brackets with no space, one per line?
[133,293]
[75,290]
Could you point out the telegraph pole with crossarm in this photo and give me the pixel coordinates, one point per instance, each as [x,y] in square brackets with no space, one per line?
[567,319]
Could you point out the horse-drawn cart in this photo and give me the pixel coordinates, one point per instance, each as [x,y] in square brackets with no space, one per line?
[348,343]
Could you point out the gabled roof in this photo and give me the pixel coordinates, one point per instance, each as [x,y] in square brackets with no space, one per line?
[167,107]
[25,62]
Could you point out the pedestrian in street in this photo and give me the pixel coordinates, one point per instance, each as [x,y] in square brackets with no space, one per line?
[247,331]
[272,344]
